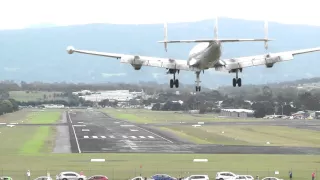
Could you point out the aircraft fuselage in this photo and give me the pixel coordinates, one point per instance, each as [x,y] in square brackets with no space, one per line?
[205,55]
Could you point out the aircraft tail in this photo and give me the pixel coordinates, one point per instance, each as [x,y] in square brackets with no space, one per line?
[215,39]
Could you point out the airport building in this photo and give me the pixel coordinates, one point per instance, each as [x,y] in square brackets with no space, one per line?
[117,95]
[241,113]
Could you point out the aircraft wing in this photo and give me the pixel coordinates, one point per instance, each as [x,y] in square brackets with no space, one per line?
[138,61]
[266,59]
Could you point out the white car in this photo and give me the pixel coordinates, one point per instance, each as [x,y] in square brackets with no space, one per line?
[43,178]
[70,176]
[197,177]
[225,176]
[271,178]
[244,177]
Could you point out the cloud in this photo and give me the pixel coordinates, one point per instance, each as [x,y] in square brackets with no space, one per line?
[108,75]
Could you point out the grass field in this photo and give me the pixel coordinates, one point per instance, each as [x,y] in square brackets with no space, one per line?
[29,139]
[32,96]
[125,166]
[248,135]
[29,147]
[44,117]
[148,116]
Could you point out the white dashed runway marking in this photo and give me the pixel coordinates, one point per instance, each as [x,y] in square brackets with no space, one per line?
[123,137]
[133,130]
[86,130]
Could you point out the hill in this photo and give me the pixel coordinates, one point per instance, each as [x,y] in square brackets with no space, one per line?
[38,54]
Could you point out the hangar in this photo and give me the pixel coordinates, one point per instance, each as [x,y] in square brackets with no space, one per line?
[241,113]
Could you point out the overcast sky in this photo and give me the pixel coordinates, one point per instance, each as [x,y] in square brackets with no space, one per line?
[24,13]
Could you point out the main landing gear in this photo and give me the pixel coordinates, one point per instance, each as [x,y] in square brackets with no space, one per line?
[174,81]
[237,81]
[198,87]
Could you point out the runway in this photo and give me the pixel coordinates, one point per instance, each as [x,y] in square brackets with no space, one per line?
[96,132]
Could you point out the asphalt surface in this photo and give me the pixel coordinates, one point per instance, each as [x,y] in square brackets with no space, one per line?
[96,132]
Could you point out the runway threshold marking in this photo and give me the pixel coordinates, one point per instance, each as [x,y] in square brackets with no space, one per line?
[133,137]
[151,137]
[103,137]
[74,132]
[155,134]
[95,137]
[142,137]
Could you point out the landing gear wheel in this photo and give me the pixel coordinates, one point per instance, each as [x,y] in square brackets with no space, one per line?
[234,82]
[176,83]
[171,83]
[239,82]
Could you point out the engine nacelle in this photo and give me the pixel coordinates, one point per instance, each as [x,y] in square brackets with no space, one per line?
[135,61]
[136,67]
[269,65]
[270,59]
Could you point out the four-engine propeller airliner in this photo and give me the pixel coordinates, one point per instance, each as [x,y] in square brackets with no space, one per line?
[205,55]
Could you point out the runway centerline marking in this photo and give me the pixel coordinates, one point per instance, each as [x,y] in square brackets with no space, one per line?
[86,130]
[111,136]
[133,137]
[142,137]
[103,137]
[125,136]
[133,130]
[151,137]
[95,137]
[74,132]
[86,136]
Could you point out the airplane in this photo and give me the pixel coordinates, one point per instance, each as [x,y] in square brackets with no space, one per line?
[205,55]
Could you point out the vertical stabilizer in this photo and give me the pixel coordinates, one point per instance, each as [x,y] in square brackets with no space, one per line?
[266,34]
[216,29]
[165,36]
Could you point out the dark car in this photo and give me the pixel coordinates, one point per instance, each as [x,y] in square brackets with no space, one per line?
[98,177]
[163,177]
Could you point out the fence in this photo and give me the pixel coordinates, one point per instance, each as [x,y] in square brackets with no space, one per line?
[120,174]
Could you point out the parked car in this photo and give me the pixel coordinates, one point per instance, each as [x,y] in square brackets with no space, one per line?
[98,177]
[244,177]
[6,178]
[197,177]
[271,178]
[69,175]
[43,178]
[162,177]
[225,176]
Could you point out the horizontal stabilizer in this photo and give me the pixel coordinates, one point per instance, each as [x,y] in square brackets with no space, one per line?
[216,40]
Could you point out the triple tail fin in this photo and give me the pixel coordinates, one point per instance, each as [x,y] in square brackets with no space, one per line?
[215,39]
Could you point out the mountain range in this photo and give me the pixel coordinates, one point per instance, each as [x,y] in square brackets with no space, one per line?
[39,53]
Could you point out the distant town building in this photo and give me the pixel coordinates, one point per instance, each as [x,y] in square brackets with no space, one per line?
[116,95]
[55,106]
[241,113]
